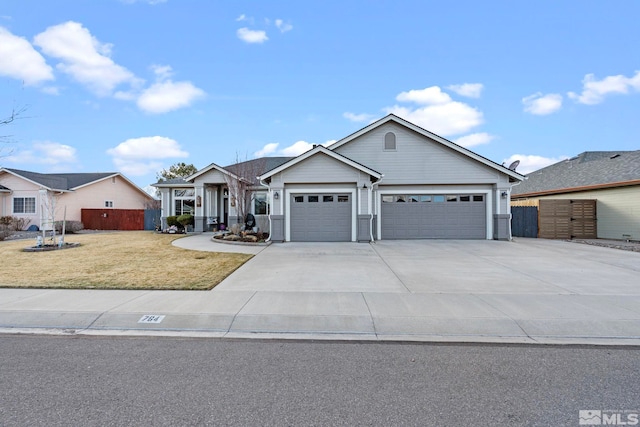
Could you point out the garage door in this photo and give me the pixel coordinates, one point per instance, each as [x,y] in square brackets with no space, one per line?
[455,216]
[321,217]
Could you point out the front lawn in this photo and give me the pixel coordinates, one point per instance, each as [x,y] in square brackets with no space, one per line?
[118,260]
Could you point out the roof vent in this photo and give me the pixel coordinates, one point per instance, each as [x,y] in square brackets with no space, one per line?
[615,156]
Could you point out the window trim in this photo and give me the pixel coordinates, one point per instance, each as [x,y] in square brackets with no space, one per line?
[24,205]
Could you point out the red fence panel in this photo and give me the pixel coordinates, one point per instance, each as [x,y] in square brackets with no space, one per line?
[113,219]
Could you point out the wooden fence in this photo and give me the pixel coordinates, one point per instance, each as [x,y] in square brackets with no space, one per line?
[555,219]
[113,219]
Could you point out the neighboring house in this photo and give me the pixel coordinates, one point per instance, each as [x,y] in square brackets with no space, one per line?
[33,195]
[610,177]
[389,180]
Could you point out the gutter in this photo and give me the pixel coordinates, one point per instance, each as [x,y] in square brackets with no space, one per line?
[578,189]
[270,205]
[371,207]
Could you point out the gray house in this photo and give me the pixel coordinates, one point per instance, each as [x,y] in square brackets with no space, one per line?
[389,180]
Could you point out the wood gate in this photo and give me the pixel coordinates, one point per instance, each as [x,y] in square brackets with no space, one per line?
[113,219]
[524,221]
[567,219]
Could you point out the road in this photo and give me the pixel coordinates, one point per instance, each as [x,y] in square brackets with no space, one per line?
[81,380]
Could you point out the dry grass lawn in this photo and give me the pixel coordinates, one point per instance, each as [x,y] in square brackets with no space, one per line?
[118,260]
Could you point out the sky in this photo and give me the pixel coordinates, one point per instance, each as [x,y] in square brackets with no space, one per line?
[136,86]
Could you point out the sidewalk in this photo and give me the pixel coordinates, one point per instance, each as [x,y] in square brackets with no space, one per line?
[354,291]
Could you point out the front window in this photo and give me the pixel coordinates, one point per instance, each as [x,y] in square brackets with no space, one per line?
[108,203]
[184,201]
[24,205]
[260,204]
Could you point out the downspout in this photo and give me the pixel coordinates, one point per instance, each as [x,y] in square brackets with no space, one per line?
[371,208]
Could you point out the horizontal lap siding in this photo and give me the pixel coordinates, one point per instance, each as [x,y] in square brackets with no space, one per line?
[416,160]
[320,168]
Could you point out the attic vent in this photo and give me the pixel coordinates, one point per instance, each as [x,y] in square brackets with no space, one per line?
[615,156]
[390,141]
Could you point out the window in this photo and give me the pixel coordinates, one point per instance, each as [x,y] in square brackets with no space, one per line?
[343,199]
[298,199]
[452,198]
[400,199]
[312,199]
[387,199]
[390,141]
[438,199]
[260,204]
[465,198]
[414,199]
[184,201]
[24,205]
[478,198]
[425,198]
[327,199]
[108,203]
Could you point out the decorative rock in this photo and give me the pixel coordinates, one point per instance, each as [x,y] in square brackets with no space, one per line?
[251,238]
[231,237]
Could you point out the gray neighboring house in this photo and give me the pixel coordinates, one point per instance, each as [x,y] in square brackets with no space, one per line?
[610,177]
[389,180]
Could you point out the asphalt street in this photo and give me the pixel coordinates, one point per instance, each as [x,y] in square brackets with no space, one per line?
[90,380]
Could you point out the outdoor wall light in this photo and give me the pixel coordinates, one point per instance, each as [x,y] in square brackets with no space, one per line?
[364,186]
[276,195]
[504,194]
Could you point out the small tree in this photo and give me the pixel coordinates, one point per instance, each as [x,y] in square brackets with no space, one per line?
[241,183]
[178,170]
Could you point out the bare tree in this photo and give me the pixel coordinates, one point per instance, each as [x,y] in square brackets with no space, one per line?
[242,184]
[16,114]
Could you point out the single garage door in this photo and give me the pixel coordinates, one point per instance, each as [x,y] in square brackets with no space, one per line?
[321,217]
[455,216]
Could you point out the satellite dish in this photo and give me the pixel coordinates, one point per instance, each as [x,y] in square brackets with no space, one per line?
[514,165]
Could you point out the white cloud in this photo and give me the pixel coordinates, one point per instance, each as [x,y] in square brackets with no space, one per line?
[162,72]
[594,91]
[84,58]
[530,163]
[241,18]
[19,60]
[541,105]
[252,36]
[137,156]
[452,118]
[359,117]
[292,150]
[166,96]
[283,26]
[46,153]
[429,96]
[267,150]
[474,139]
[470,90]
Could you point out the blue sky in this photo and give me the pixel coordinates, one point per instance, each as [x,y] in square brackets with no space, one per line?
[138,85]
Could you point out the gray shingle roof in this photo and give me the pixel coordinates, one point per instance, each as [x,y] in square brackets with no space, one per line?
[591,168]
[62,181]
[257,166]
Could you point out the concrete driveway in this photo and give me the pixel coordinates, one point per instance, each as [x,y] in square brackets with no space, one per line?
[530,290]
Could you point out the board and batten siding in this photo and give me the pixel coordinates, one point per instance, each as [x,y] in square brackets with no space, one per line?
[417,159]
[618,210]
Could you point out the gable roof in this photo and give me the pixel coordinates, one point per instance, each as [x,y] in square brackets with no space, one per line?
[315,150]
[257,167]
[4,189]
[586,171]
[66,182]
[393,118]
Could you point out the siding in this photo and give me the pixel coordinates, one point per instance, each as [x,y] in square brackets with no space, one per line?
[618,210]
[19,188]
[214,176]
[416,160]
[320,168]
[93,196]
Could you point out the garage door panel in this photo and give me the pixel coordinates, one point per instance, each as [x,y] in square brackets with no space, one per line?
[460,218]
[320,217]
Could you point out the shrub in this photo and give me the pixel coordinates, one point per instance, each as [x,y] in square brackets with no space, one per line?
[5,231]
[13,223]
[173,220]
[69,227]
[185,220]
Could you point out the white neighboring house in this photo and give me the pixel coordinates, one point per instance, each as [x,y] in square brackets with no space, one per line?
[27,194]
[389,180]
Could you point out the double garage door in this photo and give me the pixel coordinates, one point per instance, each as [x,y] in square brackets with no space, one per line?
[321,217]
[455,216]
